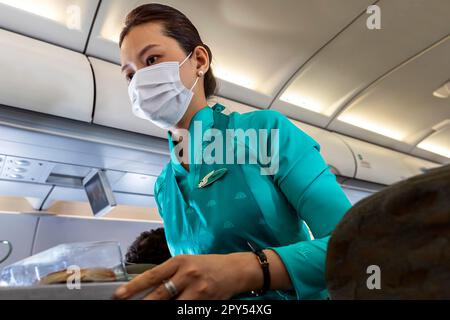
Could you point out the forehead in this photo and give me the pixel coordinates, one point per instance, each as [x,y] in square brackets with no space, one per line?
[140,36]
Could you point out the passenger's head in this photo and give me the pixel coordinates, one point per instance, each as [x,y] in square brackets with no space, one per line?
[149,248]
[156,33]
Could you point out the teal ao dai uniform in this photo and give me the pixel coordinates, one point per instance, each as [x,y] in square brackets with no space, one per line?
[292,212]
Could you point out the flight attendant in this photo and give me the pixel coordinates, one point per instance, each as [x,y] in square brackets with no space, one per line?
[233,229]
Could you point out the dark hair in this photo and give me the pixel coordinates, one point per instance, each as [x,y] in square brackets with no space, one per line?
[177,26]
[149,248]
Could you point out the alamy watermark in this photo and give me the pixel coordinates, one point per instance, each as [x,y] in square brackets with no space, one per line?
[73,281]
[238,146]
[374,280]
[73,21]
[374,20]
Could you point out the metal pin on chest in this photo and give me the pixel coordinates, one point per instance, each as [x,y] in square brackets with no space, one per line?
[212,177]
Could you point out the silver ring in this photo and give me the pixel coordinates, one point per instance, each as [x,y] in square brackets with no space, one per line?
[171,288]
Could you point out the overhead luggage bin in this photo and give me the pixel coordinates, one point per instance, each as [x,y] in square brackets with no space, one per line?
[62,22]
[113,106]
[335,152]
[45,78]
[418,166]
[381,165]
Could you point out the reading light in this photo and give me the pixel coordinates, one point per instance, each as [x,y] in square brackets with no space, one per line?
[22,162]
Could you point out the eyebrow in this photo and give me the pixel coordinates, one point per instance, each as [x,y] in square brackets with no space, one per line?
[141,53]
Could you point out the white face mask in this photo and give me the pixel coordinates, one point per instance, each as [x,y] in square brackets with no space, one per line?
[157,94]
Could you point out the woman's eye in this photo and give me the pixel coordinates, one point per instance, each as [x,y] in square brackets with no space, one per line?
[130,77]
[151,60]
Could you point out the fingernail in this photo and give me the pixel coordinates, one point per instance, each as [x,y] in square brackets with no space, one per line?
[121,292]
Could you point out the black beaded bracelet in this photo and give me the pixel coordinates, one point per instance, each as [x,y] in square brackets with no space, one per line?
[262,258]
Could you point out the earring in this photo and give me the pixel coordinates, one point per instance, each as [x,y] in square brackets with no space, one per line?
[201,73]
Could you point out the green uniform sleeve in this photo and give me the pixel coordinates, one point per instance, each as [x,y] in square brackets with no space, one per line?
[310,187]
[158,191]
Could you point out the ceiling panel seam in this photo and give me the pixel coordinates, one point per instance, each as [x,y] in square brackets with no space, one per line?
[300,68]
[92,26]
[352,99]
[102,59]
[94,83]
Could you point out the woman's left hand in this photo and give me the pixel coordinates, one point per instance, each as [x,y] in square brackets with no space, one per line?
[198,277]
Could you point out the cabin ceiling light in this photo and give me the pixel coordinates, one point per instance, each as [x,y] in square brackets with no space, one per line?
[372,126]
[443,92]
[41,8]
[111,31]
[59,11]
[234,77]
[302,101]
[434,148]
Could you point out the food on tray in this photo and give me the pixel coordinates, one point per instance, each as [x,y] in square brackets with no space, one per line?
[86,275]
